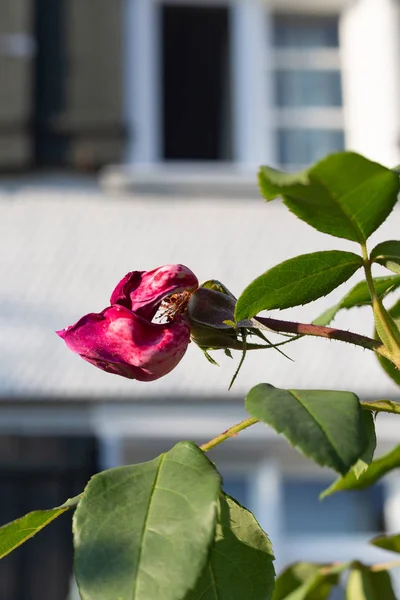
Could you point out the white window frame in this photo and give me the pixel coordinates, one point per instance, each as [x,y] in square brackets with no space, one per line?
[309,59]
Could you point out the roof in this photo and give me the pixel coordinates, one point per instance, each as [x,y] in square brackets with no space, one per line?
[64,247]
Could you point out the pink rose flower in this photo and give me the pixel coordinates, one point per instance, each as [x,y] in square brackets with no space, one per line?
[123,339]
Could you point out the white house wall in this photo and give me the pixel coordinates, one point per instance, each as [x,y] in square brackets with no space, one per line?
[142,106]
[370,43]
[252,91]
[70,247]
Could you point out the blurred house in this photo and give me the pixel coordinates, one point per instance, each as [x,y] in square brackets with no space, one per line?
[278,81]
[179,94]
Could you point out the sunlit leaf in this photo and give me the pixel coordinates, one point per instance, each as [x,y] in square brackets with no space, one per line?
[345,194]
[297,281]
[14,534]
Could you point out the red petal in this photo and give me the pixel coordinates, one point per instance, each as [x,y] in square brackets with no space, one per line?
[121,342]
[143,291]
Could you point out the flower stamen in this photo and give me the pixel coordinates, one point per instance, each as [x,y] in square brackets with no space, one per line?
[174,305]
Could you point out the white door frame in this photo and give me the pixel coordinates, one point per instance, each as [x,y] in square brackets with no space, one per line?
[251,95]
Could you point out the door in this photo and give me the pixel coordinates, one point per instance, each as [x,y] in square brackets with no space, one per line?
[196,107]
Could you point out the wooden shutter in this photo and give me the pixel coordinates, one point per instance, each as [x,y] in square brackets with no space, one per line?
[94,86]
[17,50]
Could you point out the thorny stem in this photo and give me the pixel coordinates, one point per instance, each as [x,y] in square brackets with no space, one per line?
[231,432]
[324,332]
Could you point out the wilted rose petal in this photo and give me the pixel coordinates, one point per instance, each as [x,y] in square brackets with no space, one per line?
[119,341]
[143,291]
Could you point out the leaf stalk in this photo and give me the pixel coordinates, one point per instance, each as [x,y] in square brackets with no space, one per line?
[231,432]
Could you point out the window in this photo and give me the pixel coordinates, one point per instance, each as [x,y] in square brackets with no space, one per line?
[306,31]
[346,513]
[298,147]
[308,91]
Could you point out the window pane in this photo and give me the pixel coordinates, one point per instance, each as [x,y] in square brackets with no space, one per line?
[298,31]
[347,512]
[308,88]
[304,146]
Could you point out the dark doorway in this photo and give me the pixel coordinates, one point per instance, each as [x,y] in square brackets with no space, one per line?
[51,143]
[196,107]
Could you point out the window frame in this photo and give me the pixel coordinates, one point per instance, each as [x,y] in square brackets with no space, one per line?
[311,59]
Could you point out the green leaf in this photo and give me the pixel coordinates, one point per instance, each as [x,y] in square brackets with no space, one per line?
[21,530]
[388,255]
[366,458]
[359,296]
[297,281]
[327,316]
[241,560]
[143,532]
[344,195]
[386,364]
[305,581]
[326,426]
[387,542]
[366,584]
[377,469]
